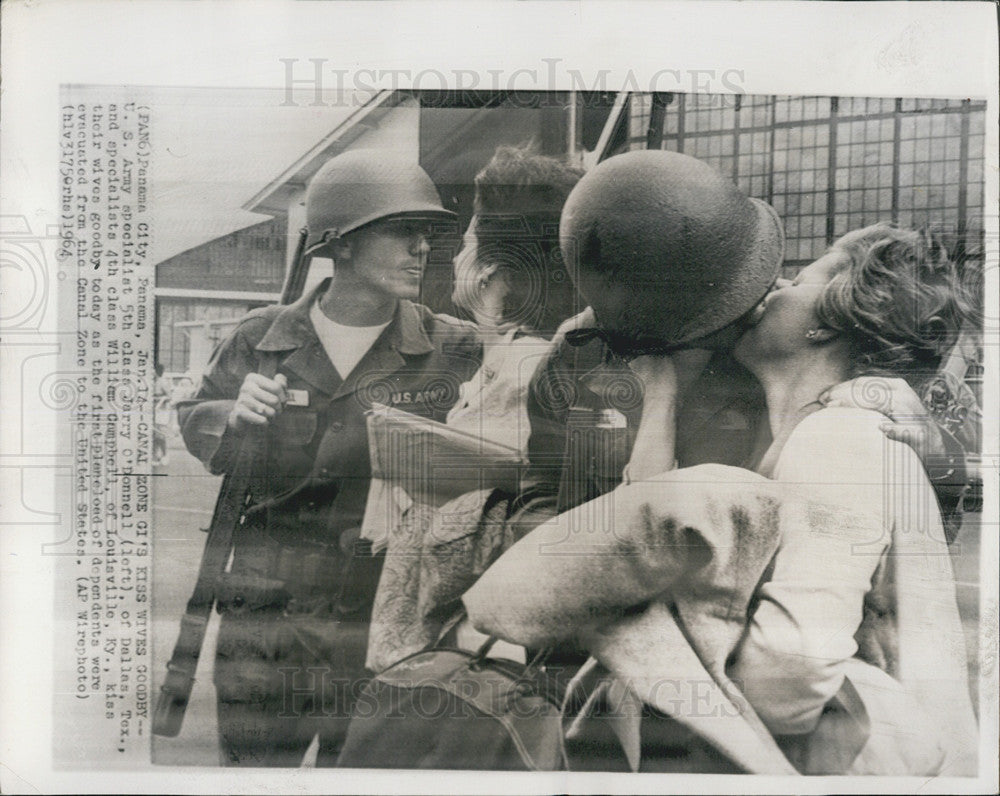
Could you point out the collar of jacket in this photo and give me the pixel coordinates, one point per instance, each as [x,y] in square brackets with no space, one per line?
[292,331]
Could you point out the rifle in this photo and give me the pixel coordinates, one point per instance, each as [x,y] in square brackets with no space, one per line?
[234,498]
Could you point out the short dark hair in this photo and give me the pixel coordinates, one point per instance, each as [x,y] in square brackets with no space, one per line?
[899,299]
[519,197]
[519,180]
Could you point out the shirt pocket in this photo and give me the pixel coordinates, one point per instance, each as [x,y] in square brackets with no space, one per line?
[295,427]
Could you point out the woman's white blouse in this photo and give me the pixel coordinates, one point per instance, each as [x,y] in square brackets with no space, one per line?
[801,644]
[493,404]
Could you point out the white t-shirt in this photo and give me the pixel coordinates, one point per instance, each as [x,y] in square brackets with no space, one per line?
[345,345]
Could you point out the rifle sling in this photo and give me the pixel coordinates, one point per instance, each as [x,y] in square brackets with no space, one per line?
[226,518]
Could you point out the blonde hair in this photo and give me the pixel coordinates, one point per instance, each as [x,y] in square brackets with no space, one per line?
[899,298]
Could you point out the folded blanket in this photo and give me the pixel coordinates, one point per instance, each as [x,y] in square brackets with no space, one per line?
[658,579]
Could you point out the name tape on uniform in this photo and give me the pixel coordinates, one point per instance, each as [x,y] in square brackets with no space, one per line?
[298,398]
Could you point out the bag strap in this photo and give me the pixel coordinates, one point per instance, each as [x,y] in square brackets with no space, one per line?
[481,655]
[450,625]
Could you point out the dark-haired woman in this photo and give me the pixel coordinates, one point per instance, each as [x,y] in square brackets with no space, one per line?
[509,279]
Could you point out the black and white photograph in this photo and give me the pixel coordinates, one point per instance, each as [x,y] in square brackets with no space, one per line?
[508,426]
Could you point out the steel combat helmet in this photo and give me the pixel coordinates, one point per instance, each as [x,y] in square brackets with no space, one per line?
[365,185]
[666,250]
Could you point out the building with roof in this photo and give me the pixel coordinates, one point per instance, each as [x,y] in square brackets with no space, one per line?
[827,164]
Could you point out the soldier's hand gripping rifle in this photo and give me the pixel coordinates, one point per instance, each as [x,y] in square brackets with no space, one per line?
[233,499]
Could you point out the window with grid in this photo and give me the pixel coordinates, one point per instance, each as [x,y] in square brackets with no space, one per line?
[173,341]
[833,164]
[755,135]
[863,162]
[800,189]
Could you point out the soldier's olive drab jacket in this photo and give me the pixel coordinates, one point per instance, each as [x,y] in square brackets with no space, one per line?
[720,420]
[317,468]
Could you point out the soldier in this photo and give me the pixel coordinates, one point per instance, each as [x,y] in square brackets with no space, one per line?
[297,598]
[674,258]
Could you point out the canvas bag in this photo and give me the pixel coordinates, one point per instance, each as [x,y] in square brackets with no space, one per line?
[452,709]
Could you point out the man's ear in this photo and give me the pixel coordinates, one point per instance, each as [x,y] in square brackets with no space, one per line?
[489,272]
[823,334]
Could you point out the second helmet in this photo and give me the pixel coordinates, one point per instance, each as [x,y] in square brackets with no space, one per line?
[666,250]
